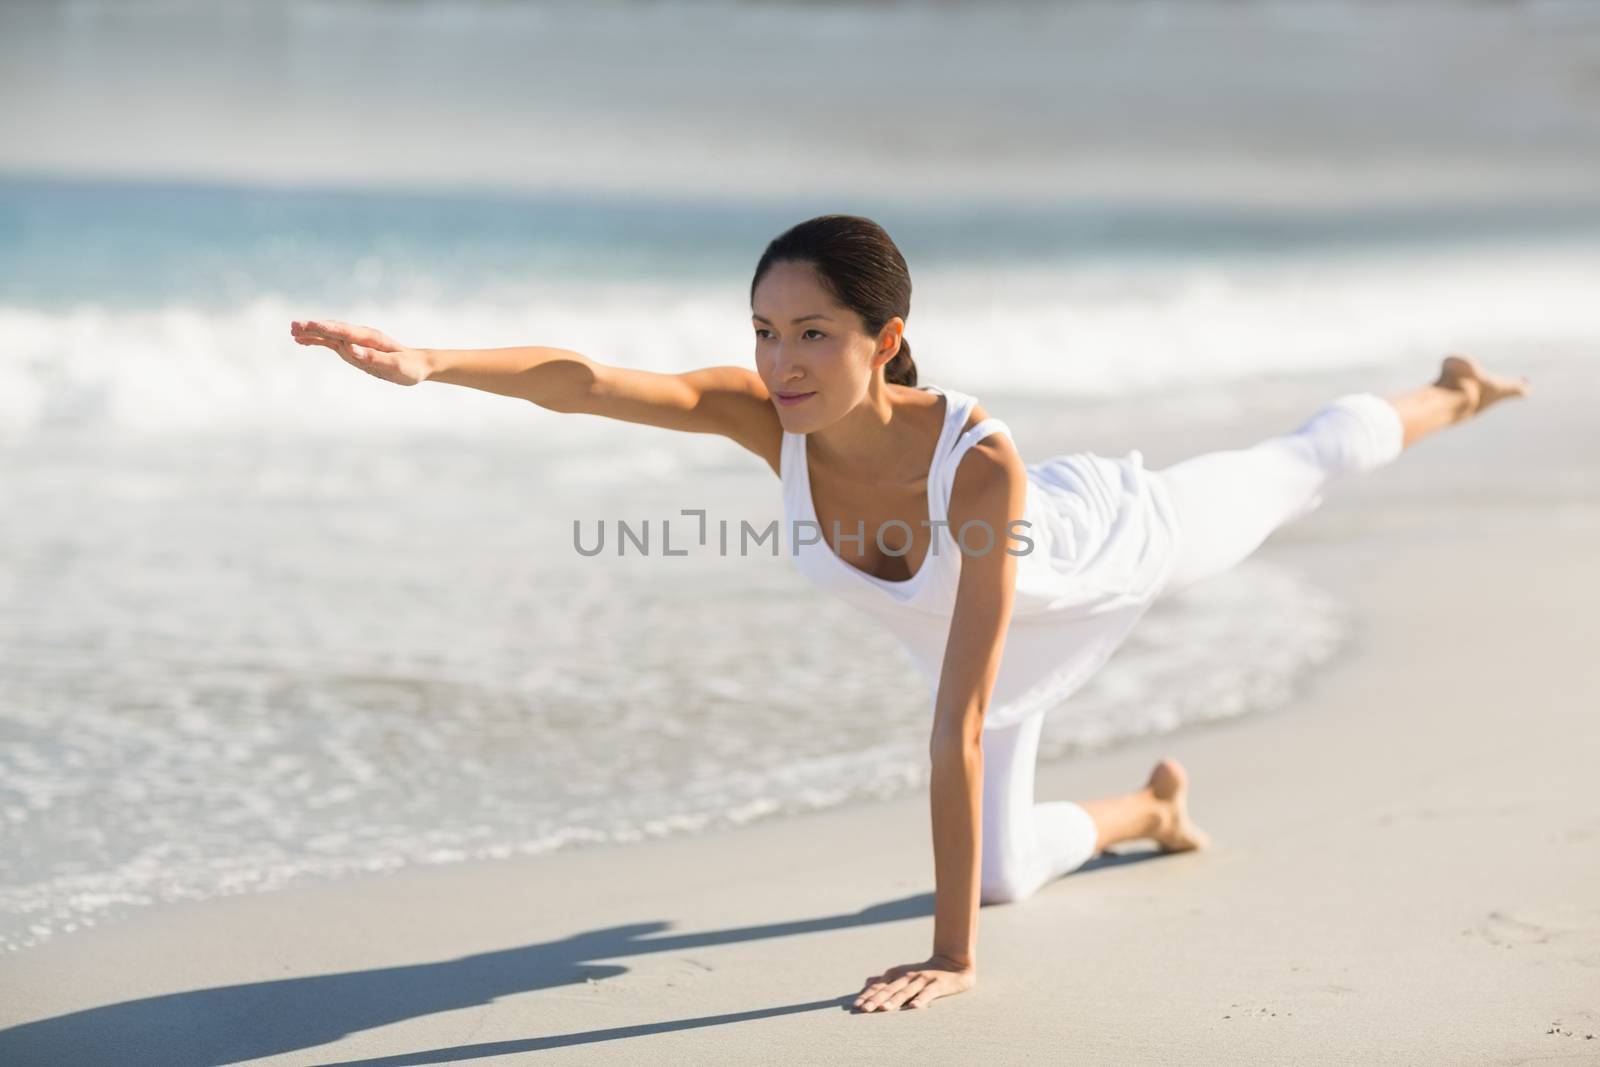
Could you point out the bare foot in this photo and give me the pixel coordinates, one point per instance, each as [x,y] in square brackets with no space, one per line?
[1478,387]
[1169,782]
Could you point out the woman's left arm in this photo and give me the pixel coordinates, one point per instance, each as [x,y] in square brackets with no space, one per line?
[989,492]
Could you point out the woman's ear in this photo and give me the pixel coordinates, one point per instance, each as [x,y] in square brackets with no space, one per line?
[889,341]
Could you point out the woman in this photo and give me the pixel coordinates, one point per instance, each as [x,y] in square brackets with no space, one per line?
[1009,583]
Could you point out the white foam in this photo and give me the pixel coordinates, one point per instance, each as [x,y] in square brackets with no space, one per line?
[236,784]
[1100,328]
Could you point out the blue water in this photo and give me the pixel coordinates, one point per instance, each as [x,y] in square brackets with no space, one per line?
[126,245]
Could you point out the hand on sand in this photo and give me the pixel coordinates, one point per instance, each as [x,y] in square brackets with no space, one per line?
[915,984]
[365,348]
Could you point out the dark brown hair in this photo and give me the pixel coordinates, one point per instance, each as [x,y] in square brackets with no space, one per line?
[861,268]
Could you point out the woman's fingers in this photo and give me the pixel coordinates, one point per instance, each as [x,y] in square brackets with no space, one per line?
[392,364]
[875,981]
[882,994]
[317,337]
[897,992]
[342,331]
[359,354]
[330,327]
[925,994]
[914,984]
[313,327]
[873,985]
[879,983]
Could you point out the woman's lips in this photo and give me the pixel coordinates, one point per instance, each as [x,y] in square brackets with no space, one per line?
[792,398]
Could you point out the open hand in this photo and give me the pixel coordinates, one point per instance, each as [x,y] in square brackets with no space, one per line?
[915,984]
[365,348]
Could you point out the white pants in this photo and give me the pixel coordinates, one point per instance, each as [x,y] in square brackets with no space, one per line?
[1228,502]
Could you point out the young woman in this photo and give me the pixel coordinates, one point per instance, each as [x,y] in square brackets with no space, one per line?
[916,500]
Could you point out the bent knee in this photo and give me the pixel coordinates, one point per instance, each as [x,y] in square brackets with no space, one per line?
[1005,887]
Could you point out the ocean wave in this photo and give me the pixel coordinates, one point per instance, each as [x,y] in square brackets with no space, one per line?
[1096,329]
[223,766]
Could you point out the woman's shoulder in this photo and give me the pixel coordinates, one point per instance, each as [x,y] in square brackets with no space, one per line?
[976,414]
[981,463]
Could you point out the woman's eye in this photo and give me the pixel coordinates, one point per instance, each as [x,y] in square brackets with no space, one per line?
[763,333]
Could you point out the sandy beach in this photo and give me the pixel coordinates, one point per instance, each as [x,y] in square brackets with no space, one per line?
[1404,871]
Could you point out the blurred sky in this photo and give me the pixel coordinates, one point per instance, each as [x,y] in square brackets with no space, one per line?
[1293,103]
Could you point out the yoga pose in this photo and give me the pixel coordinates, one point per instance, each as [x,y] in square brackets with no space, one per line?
[1009,583]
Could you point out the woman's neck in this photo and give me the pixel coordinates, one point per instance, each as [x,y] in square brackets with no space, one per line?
[874,441]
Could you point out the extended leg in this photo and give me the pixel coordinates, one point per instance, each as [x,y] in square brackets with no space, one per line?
[1229,501]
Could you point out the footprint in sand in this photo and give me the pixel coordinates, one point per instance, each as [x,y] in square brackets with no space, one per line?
[1503,930]
[1574,928]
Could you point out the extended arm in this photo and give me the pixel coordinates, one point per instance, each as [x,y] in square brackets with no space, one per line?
[731,401]
[727,400]
[990,487]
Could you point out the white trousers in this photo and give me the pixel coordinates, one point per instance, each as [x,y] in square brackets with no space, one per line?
[1227,502]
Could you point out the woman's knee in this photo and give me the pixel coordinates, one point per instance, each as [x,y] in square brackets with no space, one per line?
[1005,884]
[1007,892]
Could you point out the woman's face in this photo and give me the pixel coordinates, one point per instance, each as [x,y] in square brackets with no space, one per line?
[808,344]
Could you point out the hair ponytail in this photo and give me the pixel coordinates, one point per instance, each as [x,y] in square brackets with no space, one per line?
[902,369]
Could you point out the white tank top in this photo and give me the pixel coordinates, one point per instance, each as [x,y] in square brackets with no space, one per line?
[1103,534]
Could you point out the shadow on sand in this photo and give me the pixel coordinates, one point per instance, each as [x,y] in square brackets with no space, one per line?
[227,1024]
